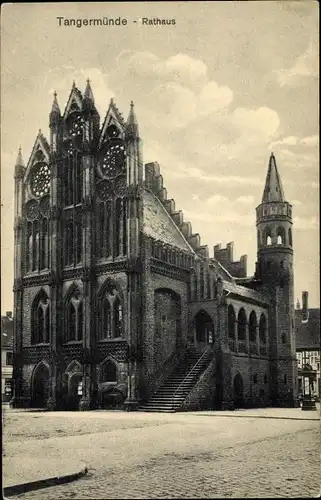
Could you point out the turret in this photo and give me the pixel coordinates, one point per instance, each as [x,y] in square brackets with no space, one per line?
[54,123]
[274,230]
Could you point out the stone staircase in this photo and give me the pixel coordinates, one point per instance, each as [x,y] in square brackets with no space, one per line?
[171,395]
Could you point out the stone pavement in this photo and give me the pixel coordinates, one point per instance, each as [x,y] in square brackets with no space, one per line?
[182,455]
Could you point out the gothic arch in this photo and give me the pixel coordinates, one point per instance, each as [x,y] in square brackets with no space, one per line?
[73,367]
[238,388]
[280,235]
[252,327]
[73,314]
[204,327]
[267,236]
[241,324]
[40,385]
[108,370]
[231,319]
[262,329]
[40,318]
[110,311]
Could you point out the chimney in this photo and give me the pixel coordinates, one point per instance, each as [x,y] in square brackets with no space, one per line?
[305,307]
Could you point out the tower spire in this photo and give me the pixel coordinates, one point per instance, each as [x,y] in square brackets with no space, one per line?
[273,190]
[19,160]
[132,123]
[88,92]
[55,106]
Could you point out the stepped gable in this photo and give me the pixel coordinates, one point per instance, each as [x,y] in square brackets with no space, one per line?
[161,219]
[224,256]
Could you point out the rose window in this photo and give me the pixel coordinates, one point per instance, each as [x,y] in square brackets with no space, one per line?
[113,160]
[105,190]
[32,210]
[76,126]
[40,180]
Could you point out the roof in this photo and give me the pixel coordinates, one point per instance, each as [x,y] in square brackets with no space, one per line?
[273,190]
[307,332]
[244,292]
[6,332]
[158,224]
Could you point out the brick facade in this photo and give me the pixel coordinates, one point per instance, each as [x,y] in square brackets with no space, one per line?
[112,287]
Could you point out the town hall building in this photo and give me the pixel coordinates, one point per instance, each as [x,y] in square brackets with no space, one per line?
[117,304]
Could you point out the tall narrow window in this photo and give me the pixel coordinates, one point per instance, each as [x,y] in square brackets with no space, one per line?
[290,237]
[35,246]
[40,319]
[71,323]
[124,226]
[262,329]
[69,242]
[118,219]
[69,186]
[29,247]
[78,241]
[78,178]
[252,327]
[105,331]
[241,325]
[118,317]
[44,260]
[80,321]
[40,325]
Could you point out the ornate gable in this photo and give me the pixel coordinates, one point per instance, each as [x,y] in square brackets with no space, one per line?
[40,153]
[74,103]
[113,118]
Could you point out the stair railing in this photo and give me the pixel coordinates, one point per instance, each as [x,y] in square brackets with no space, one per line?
[210,348]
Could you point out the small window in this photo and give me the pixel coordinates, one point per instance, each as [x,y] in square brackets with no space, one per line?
[265,379]
[255,378]
[283,338]
[282,264]
[285,379]
[9,358]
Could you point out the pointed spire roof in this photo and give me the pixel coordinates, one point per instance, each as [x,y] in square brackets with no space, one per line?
[88,92]
[19,160]
[55,106]
[132,123]
[273,190]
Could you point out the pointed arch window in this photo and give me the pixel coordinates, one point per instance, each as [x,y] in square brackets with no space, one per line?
[252,327]
[262,329]
[29,246]
[40,320]
[231,322]
[108,372]
[118,318]
[241,325]
[110,314]
[44,244]
[35,245]
[280,236]
[73,240]
[74,317]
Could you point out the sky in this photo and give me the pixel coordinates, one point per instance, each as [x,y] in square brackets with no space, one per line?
[214,95]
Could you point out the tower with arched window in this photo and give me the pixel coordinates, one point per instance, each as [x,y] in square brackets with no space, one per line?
[275,271]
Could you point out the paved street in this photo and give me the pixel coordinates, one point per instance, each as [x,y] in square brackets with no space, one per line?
[183,455]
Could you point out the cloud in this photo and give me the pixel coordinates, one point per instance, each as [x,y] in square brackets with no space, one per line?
[262,121]
[216,199]
[312,141]
[305,223]
[305,66]
[246,200]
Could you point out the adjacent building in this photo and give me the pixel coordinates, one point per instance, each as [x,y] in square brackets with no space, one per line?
[118,304]
[307,330]
[6,356]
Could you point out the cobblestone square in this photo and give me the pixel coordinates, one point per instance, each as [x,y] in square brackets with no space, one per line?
[152,455]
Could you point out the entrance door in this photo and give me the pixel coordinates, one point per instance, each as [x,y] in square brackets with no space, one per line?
[204,330]
[40,386]
[73,396]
